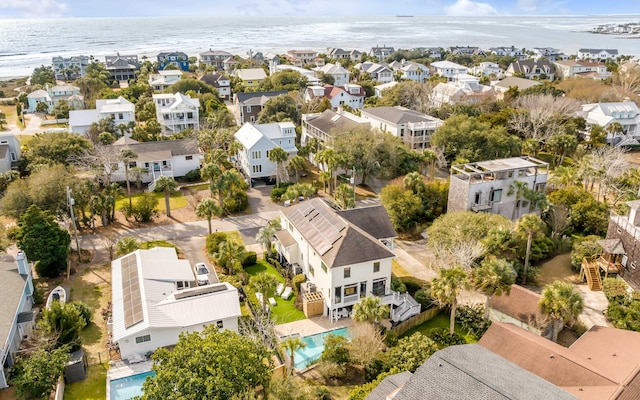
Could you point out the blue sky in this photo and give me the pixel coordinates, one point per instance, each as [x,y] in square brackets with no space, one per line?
[136,8]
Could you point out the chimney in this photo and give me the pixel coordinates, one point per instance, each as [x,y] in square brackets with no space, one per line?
[23,264]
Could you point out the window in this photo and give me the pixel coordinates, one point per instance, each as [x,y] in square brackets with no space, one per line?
[376,266]
[324,266]
[363,289]
[337,294]
[268,153]
[256,154]
[476,199]
[510,174]
[257,169]
[120,116]
[540,187]
[252,119]
[248,109]
[220,324]
[188,157]
[349,290]
[347,272]
[190,115]
[311,270]
[290,227]
[496,195]
[142,339]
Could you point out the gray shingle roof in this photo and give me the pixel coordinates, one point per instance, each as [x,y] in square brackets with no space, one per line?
[475,373]
[330,120]
[244,97]
[176,147]
[373,220]
[397,115]
[388,385]
[11,286]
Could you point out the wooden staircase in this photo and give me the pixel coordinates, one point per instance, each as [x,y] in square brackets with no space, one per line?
[592,273]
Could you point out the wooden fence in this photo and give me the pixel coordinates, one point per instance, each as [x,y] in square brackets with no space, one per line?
[415,321]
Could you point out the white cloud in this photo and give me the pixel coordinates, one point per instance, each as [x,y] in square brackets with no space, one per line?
[470,8]
[35,8]
[528,5]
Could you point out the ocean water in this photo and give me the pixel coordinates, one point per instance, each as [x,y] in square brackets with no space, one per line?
[26,44]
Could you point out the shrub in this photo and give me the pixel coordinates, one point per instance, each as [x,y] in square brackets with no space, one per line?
[471,318]
[278,191]
[397,285]
[213,241]
[143,210]
[423,296]
[250,258]
[192,175]
[297,281]
[584,247]
[412,284]
[45,270]
[239,201]
[615,290]
[85,312]
[331,370]
[444,338]
[336,349]
[127,245]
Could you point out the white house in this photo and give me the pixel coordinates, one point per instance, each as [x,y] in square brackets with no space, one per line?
[155,298]
[16,316]
[484,186]
[323,126]
[378,72]
[172,158]
[10,151]
[448,69]
[625,113]
[410,70]
[530,69]
[380,89]
[163,79]
[70,67]
[257,141]
[487,68]
[548,53]
[414,128]
[598,54]
[177,112]
[345,256]
[312,79]
[463,89]
[581,68]
[215,58]
[510,51]
[501,87]
[336,71]
[340,54]
[121,110]
[381,52]
[350,94]
[219,81]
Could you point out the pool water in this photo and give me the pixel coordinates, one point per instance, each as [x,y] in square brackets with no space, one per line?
[129,387]
[314,348]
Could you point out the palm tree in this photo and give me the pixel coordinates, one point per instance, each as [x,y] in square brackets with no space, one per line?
[111,193]
[562,304]
[297,164]
[291,345]
[494,276]
[126,245]
[344,196]
[137,173]
[518,188]
[329,161]
[126,155]
[325,177]
[369,309]
[264,283]
[229,255]
[278,156]
[207,209]
[266,233]
[167,185]
[532,225]
[445,289]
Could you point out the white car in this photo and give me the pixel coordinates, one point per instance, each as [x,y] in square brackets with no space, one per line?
[202,273]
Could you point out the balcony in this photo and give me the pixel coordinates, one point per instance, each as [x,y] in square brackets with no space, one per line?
[481,207]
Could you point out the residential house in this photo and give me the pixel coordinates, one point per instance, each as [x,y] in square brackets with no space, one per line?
[323,126]
[431,52]
[410,70]
[272,60]
[247,105]
[621,253]
[414,128]
[463,88]
[625,113]
[501,87]
[178,59]
[257,141]
[548,53]
[16,315]
[163,79]
[339,54]
[251,77]
[300,58]
[381,52]
[531,69]
[467,372]
[122,68]
[10,152]
[598,54]
[585,69]
[215,58]
[487,68]
[510,51]
[340,75]
[52,95]
[484,186]
[601,364]
[172,158]
[345,255]
[378,72]
[350,94]
[68,68]
[177,112]
[312,79]
[447,69]
[121,110]
[466,50]
[155,298]
[520,307]
[221,82]
[230,64]
[380,89]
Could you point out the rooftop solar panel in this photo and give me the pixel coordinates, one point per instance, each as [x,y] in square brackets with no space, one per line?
[132,298]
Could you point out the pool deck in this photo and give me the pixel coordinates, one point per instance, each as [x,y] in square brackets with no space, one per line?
[121,369]
[311,326]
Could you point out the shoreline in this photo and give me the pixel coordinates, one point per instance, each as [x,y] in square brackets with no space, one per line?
[11,78]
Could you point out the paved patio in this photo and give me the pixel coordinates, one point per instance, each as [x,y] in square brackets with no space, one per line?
[311,326]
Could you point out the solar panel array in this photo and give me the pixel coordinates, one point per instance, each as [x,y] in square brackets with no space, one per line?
[132,299]
[319,225]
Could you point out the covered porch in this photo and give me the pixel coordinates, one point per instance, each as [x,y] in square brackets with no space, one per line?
[613,256]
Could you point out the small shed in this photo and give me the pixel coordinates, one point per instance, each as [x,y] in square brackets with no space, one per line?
[312,304]
[76,367]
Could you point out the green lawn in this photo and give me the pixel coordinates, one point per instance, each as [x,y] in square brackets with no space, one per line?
[176,200]
[439,321]
[92,388]
[285,310]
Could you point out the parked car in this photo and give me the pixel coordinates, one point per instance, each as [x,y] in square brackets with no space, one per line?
[202,273]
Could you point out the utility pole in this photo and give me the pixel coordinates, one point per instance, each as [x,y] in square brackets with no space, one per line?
[353,182]
[70,203]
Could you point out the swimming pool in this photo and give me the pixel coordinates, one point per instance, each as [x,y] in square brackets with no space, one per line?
[315,346]
[129,387]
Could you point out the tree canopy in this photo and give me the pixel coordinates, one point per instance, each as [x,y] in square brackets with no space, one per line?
[56,148]
[278,109]
[42,75]
[283,80]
